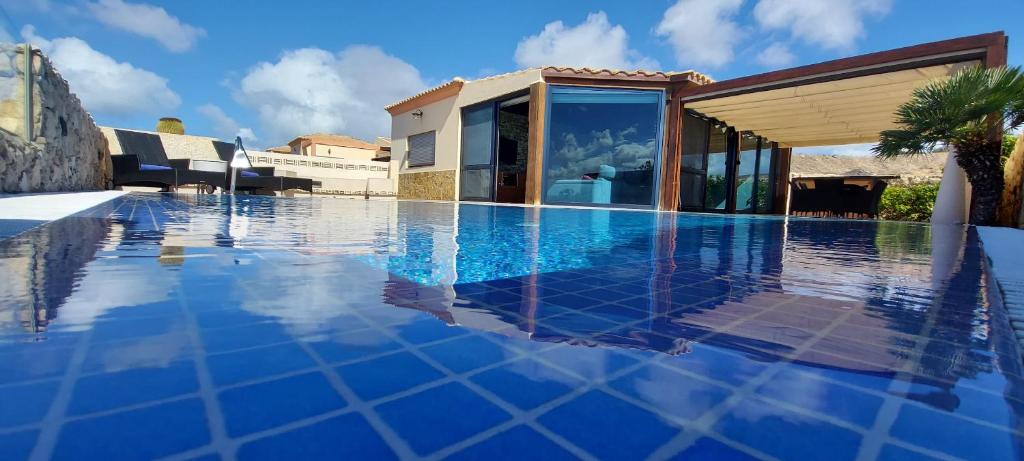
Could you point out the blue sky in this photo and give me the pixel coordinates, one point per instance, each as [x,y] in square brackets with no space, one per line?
[270,70]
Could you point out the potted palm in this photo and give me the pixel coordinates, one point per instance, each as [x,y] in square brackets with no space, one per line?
[966,114]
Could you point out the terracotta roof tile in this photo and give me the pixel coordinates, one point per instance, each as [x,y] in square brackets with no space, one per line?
[336,140]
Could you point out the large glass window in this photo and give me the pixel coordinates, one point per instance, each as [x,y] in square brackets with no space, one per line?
[603,146]
[764,176]
[692,168]
[745,178]
[717,188]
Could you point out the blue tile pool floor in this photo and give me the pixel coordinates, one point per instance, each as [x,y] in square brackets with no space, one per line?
[179,328]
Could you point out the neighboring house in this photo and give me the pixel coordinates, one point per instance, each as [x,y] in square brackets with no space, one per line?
[344,170]
[655,140]
[332,145]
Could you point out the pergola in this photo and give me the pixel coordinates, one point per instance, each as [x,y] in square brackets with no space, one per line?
[845,101]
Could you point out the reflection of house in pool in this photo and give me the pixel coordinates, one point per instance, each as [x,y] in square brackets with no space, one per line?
[909,318]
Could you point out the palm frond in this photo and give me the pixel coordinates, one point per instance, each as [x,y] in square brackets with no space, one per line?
[972,100]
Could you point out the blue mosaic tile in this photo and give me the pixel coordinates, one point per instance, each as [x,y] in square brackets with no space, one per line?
[895,453]
[118,329]
[258,334]
[453,406]
[428,330]
[711,449]
[350,436]
[146,433]
[354,345]
[18,445]
[280,401]
[520,442]
[671,392]
[465,354]
[670,312]
[771,429]
[713,363]
[606,418]
[227,317]
[32,363]
[383,376]
[955,436]
[26,403]
[150,352]
[589,363]
[93,393]
[526,383]
[235,367]
[838,401]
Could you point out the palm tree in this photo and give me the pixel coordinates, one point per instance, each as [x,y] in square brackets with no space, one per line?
[966,112]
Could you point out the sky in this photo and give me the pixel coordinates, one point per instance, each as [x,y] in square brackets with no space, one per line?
[269,71]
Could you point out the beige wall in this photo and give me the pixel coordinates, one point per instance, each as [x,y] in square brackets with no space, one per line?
[324,150]
[445,117]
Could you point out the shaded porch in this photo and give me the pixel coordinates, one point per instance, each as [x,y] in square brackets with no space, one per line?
[730,143]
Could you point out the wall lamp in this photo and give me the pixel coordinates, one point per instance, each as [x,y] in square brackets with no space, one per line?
[417,114]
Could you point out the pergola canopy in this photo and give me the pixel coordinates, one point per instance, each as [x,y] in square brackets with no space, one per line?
[845,101]
[846,111]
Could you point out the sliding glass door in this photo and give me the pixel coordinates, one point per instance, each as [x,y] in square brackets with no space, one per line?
[746,173]
[603,146]
[478,133]
[716,192]
[723,170]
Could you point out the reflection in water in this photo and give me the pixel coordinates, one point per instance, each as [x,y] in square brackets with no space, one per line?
[902,310]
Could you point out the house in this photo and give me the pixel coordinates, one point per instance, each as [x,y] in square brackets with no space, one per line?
[655,140]
[332,145]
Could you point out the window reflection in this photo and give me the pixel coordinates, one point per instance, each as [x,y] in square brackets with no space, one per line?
[603,146]
[745,179]
[717,182]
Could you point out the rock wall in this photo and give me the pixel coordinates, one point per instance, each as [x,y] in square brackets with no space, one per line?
[67,152]
[428,185]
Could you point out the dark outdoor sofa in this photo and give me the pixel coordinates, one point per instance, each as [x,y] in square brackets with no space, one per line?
[258,179]
[145,163]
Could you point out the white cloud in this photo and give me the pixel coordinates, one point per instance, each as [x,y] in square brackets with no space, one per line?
[104,85]
[833,24]
[226,127]
[594,43]
[776,55]
[314,90]
[702,32]
[147,21]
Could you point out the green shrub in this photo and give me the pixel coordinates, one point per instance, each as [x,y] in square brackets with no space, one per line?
[1009,142]
[908,203]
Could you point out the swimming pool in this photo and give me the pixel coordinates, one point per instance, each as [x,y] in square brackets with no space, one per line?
[185,327]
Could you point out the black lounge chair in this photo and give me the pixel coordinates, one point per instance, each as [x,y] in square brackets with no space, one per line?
[145,163]
[259,179]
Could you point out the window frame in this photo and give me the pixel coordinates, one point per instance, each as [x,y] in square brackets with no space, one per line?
[659,142]
[433,150]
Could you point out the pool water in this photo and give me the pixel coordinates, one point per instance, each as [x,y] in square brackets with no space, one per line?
[181,327]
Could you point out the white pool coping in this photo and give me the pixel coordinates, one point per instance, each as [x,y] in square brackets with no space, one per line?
[51,206]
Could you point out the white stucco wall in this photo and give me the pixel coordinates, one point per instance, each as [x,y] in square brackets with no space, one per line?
[445,117]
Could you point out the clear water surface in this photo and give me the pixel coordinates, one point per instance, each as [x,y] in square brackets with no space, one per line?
[204,328]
